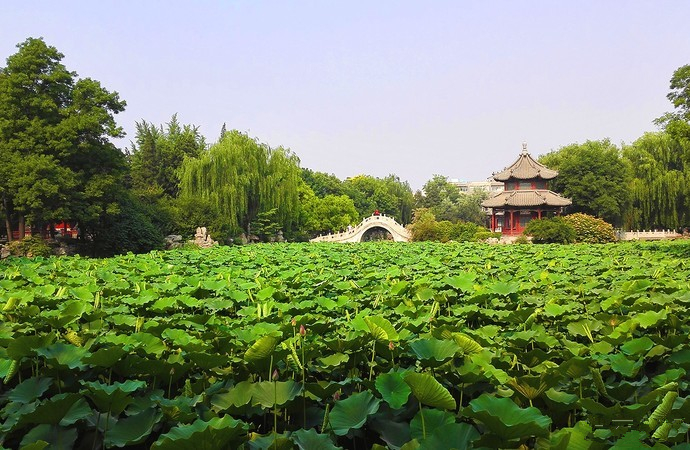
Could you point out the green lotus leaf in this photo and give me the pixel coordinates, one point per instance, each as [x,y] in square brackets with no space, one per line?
[150,344]
[624,366]
[133,429]
[261,349]
[66,355]
[265,293]
[51,411]
[112,397]
[352,413]
[38,445]
[400,287]
[505,419]
[219,432]
[463,282]
[433,419]
[574,438]
[637,346]
[57,437]
[650,318]
[269,393]
[631,439]
[311,440]
[584,328]
[29,390]
[22,346]
[333,361]
[270,441]
[381,329]
[393,389]
[425,293]
[428,391]
[82,293]
[468,345]
[434,351]
[451,436]
[78,411]
[504,288]
[555,310]
[105,357]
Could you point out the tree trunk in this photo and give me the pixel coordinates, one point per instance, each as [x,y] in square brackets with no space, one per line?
[22,227]
[8,222]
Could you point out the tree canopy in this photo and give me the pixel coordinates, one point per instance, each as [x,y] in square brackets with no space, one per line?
[594,176]
[239,177]
[57,160]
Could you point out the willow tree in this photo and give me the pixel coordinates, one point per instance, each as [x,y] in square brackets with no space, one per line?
[239,178]
[660,187]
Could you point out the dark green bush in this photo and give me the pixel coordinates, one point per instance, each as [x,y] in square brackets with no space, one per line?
[590,229]
[550,231]
[29,246]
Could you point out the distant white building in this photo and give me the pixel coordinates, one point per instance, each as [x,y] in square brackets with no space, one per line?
[491,186]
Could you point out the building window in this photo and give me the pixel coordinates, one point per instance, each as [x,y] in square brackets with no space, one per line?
[525,185]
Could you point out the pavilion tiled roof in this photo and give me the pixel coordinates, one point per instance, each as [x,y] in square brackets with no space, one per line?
[525,168]
[535,197]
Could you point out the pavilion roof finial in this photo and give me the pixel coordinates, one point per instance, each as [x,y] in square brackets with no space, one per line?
[524,148]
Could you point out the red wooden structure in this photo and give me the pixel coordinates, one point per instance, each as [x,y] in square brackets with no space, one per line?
[526,196]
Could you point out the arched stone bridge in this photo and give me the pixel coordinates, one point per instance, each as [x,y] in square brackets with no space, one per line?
[399,233]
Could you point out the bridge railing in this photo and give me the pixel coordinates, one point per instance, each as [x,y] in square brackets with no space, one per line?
[357,228]
[647,235]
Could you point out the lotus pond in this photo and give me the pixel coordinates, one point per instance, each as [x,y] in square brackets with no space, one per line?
[364,346]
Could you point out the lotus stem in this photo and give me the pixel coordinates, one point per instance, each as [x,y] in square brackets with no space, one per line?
[373,357]
[275,414]
[325,418]
[421,413]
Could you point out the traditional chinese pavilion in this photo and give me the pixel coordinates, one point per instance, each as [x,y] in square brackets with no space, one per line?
[526,196]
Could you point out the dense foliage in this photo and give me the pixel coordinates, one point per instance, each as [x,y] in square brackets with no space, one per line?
[325,346]
[425,227]
[447,203]
[594,176]
[239,178]
[56,160]
[552,230]
[589,229]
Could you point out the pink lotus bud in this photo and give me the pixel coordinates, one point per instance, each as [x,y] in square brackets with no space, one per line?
[336,395]
[302,331]
[391,345]
[293,322]
[276,375]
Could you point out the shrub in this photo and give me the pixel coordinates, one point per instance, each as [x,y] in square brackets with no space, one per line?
[522,239]
[554,230]
[30,246]
[590,229]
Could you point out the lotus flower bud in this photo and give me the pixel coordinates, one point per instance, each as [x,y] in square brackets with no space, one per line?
[391,345]
[302,331]
[293,322]
[276,375]
[336,395]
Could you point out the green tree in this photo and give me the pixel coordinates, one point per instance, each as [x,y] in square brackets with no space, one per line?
[388,195]
[322,184]
[594,175]
[680,93]
[660,184]
[333,213]
[158,153]
[446,202]
[57,162]
[239,177]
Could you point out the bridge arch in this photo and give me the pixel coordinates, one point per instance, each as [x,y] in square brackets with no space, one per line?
[387,223]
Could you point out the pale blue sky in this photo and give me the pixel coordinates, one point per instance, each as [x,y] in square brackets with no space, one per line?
[411,88]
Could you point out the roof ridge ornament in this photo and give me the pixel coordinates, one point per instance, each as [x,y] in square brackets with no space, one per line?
[524,148]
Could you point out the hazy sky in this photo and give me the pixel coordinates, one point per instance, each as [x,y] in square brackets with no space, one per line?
[377,87]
